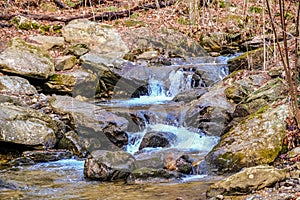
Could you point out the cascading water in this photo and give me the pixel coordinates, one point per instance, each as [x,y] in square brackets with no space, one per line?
[185,139]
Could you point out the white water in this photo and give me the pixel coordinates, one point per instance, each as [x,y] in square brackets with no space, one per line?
[185,139]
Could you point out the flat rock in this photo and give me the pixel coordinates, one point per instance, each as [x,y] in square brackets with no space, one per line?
[16,85]
[26,59]
[246,181]
[26,126]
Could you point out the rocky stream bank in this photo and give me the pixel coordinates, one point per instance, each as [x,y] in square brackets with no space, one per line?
[53,109]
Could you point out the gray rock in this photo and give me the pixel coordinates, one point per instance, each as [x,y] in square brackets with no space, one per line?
[163,40]
[146,175]
[246,181]
[98,128]
[100,38]
[25,59]
[65,62]
[46,42]
[190,95]
[210,113]
[16,85]
[255,140]
[26,126]
[157,139]
[75,82]
[118,77]
[108,165]
[46,156]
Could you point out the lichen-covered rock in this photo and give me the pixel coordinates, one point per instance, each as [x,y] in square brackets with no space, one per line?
[98,128]
[76,82]
[26,126]
[16,85]
[108,165]
[246,181]
[100,38]
[163,40]
[254,141]
[46,42]
[25,59]
[269,92]
[65,62]
[157,139]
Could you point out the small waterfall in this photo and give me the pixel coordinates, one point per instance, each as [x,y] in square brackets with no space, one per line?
[156,88]
[179,81]
[185,139]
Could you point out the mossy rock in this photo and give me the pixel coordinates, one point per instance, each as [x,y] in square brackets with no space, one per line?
[256,140]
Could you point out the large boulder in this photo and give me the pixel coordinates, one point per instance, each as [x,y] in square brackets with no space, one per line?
[163,40]
[98,128]
[21,125]
[100,38]
[108,165]
[76,82]
[26,59]
[16,85]
[118,77]
[254,141]
[210,113]
[246,181]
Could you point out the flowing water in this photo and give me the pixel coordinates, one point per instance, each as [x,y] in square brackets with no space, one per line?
[64,179]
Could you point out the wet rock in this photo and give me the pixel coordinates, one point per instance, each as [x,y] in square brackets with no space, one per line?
[245,144]
[190,95]
[76,82]
[246,181]
[25,59]
[100,38]
[157,139]
[146,175]
[46,156]
[163,40]
[211,74]
[72,142]
[7,186]
[184,164]
[98,128]
[108,165]
[16,85]
[210,113]
[46,42]
[65,62]
[26,126]
[169,159]
[118,77]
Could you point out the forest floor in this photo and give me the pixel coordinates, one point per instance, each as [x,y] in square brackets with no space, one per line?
[230,17]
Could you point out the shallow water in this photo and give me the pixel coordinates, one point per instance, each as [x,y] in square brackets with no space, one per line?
[64,180]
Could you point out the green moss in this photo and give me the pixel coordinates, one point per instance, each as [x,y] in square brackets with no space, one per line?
[131,22]
[45,28]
